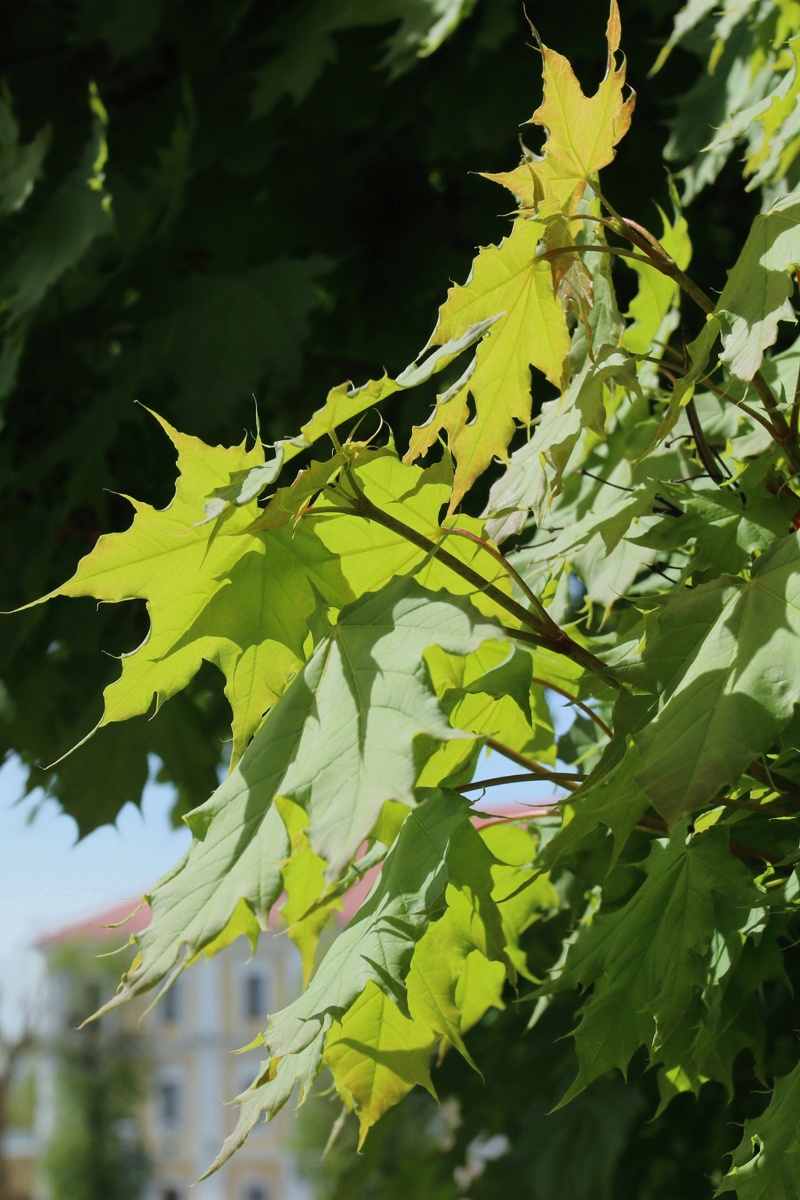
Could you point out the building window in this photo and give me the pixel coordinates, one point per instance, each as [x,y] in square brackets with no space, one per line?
[256,999]
[255,1191]
[169,1104]
[170,1194]
[170,1005]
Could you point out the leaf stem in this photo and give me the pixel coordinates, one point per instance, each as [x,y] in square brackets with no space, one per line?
[542,631]
[562,778]
[655,253]
[773,779]
[705,453]
[795,414]
[753,413]
[521,760]
[619,251]
[536,603]
[530,764]
[607,482]
[781,428]
[553,687]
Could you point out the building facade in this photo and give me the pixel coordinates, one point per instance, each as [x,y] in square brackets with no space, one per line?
[191,1038]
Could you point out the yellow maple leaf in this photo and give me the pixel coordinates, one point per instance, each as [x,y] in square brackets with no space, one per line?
[582,131]
[531,329]
[376,1056]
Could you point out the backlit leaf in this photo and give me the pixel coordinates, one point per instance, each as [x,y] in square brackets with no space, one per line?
[530,329]
[582,131]
[376,946]
[376,1056]
[340,742]
[214,592]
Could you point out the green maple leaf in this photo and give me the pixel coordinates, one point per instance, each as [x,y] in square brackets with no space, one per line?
[780,144]
[649,959]
[20,164]
[375,947]
[724,660]
[376,1056]
[753,302]
[368,555]
[490,692]
[436,968]
[343,404]
[654,310]
[214,592]
[766,1163]
[535,472]
[339,743]
[224,332]
[77,213]
[755,297]
[529,327]
[726,533]
[306,41]
[582,131]
[453,977]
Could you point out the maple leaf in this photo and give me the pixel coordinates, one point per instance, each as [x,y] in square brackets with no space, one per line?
[724,659]
[582,131]
[338,744]
[649,960]
[766,1163]
[530,328]
[376,946]
[535,472]
[213,592]
[376,1056]
[653,310]
[754,301]
[755,297]
[343,404]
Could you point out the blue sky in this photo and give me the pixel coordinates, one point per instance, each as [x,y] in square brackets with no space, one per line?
[50,879]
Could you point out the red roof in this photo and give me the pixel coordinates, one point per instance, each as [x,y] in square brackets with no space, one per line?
[131,916]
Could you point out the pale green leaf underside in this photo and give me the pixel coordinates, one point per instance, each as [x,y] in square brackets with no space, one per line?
[725,660]
[376,946]
[340,743]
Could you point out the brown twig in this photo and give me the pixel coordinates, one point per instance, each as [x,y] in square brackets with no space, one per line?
[522,760]
[541,629]
[504,563]
[553,687]
[658,257]
[705,453]
[795,414]
[561,778]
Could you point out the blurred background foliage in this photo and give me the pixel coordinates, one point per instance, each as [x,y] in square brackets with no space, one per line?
[102,1076]
[221,211]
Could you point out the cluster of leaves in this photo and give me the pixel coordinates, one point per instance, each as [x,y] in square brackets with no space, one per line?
[373,638]
[220,137]
[157,177]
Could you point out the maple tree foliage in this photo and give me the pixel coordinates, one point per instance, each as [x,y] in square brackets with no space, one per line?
[636,555]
